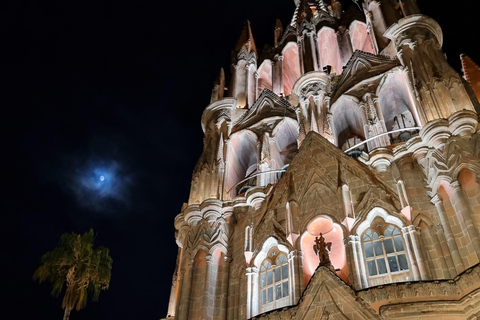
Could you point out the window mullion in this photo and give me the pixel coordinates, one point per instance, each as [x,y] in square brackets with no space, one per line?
[385,257]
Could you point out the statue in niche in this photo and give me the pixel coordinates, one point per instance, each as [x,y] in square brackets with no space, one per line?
[322,250]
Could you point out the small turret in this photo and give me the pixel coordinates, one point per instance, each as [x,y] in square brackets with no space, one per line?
[278,33]
[246,40]
[244,67]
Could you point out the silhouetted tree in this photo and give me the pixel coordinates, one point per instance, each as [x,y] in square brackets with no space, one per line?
[75,263]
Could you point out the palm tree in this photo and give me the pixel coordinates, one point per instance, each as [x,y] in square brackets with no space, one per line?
[78,265]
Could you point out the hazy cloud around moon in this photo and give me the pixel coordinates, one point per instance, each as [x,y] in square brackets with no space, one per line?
[99,185]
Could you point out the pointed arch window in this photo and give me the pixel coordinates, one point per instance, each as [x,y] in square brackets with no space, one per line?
[274,289]
[384,250]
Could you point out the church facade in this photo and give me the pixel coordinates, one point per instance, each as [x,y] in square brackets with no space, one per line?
[339,177]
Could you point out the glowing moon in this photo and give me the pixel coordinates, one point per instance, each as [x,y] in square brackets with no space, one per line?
[102,177]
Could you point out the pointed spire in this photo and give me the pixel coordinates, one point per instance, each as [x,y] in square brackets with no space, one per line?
[314,7]
[471,72]
[278,33]
[246,40]
[304,11]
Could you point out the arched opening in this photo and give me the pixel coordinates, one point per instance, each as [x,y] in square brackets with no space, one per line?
[332,232]
[361,40]
[291,67]
[347,123]
[264,77]
[272,284]
[378,22]
[286,136]
[242,161]
[383,248]
[397,107]
[328,50]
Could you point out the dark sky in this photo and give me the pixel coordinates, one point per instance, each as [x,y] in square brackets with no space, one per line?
[117,88]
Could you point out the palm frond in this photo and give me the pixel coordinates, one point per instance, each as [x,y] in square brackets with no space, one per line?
[78,267]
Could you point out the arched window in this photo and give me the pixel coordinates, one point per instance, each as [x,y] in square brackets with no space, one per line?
[384,250]
[273,279]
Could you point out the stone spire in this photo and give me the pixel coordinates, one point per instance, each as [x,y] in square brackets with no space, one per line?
[471,72]
[246,40]
[308,9]
[278,33]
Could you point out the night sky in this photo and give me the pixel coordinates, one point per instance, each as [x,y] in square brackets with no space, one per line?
[116,89]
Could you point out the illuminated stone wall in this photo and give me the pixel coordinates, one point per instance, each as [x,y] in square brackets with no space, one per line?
[352,125]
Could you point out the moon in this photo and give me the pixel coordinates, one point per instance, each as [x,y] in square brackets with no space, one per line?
[102,177]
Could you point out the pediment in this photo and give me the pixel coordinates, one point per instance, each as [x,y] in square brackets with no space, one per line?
[362,66]
[268,105]
[375,197]
[318,172]
[328,297]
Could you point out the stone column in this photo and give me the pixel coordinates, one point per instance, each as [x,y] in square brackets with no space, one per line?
[259,160]
[257,76]
[295,269]
[225,194]
[272,149]
[252,291]
[451,243]
[313,46]
[300,56]
[224,289]
[412,258]
[438,238]
[363,271]
[174,298]
[463,207]
[250,84]
[278,75]
[184,303]
[352,255]
[421,262]
[209,281]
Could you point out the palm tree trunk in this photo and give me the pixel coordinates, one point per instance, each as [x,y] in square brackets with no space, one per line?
[66,315]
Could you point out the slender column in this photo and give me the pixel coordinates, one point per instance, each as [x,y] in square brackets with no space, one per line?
[295,269]
[451,243]
[413,233]
[363,271]
[259,161]
[257,76]
[225,283]
[252,291]
[225,195]
[277,84]
[313,47]
[354,261]
[272,149]
[181,275]
[446,260]
[463,207]
[209,281]
[413,260]
[184,302]
[250,84]
[300,56]
[176,281]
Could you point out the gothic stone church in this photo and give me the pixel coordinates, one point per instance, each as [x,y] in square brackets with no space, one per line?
[354,126]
